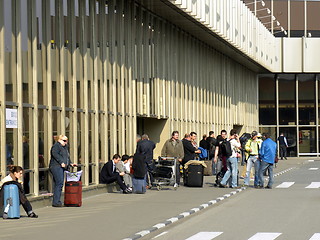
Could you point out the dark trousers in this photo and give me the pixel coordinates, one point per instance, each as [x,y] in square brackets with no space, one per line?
[283,151]
[58,180]
[116,178]
[149,172]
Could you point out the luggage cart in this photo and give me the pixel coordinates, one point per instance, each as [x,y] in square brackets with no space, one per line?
[164,173]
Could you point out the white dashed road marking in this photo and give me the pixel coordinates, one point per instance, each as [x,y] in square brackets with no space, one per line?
[285,185]
[204,236]
[265,236]
[314,185]
[315,236]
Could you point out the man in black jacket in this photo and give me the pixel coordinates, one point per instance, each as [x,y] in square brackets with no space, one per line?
[145,147]
[109,174]
[189,150]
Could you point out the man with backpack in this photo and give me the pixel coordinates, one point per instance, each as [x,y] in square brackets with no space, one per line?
[252,149]
[229,148]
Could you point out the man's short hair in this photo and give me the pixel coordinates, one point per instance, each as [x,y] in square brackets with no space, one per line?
[233,132]
[174,132]
[193,133]
[116,156]
[138,137]
[223,131]
[266,135]
[187,135]
[125,157]
[144,137]
[204,136]
[211,132]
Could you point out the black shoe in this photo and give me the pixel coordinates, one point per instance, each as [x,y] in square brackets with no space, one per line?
[222,186]
[285,158]
[268,187]
[57,205]
[33,215]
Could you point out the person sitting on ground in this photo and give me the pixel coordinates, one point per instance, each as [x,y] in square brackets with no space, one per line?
[109,174]
[122,168]
[15,174]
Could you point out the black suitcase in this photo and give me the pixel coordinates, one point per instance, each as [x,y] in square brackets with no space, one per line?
[193,176]
[162,172]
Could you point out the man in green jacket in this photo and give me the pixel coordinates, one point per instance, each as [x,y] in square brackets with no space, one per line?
[173,147]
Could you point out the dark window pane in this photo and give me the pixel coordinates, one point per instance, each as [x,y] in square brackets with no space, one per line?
[287,100]
[307,140]
[307,113]
[291,134]
[267,100]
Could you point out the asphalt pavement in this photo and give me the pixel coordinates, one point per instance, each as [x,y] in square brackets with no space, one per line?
[120,216]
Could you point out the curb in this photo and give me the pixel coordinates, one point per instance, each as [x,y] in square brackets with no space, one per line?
[183,215]
[193,210]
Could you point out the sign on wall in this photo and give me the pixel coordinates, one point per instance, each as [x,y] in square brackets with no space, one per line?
[11,118]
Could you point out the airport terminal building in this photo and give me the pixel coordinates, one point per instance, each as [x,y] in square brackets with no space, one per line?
[101,71]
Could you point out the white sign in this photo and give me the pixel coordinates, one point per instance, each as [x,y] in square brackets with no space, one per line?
[11,118]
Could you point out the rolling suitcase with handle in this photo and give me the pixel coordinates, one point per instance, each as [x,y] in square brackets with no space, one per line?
[193,176]
[73,194]
[11,202]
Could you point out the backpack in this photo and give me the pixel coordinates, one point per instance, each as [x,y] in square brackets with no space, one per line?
[244,139]
[226,148]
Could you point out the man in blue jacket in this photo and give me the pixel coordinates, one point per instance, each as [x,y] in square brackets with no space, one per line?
[267,154]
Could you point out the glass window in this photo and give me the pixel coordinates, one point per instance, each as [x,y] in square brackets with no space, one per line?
[291,134]
[313,19]
[307,140]
[267,100]
[287,99]
[307,113]
[271,130]
[297,18]
[280,11]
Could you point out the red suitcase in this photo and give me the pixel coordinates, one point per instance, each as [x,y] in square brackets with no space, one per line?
[73,194]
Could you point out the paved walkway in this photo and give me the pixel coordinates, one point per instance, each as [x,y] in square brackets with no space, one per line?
[114,215]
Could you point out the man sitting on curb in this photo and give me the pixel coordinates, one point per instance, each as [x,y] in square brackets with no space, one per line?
[109,174]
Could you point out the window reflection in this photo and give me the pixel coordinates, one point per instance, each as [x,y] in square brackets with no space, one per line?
[287,100]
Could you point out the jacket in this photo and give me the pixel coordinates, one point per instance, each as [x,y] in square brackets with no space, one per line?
[59,154]
[189,151]
[268,151]
[146,147]
[107,172]
[138,165]
[170,150]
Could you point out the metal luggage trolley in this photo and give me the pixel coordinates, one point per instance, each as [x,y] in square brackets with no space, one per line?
[164,173]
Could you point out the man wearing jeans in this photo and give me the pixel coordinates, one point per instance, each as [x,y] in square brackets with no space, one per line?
[252,148]
[232,161]
[267,154]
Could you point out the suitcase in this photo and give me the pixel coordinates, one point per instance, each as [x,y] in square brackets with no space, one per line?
[208,170]
[73,194]
[162,172]
[194,176]
[11,201]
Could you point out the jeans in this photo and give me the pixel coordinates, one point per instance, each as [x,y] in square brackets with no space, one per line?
[232,166]
[58,179]
[252,161]
[263,167]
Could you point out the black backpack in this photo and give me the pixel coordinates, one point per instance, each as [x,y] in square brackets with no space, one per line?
[244,139]
[226,148]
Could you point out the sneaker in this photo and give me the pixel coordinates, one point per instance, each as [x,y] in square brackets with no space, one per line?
[127,191]
[5,215]
[33,215]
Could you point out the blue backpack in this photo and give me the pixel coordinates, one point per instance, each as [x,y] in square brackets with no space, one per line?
[204,153]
